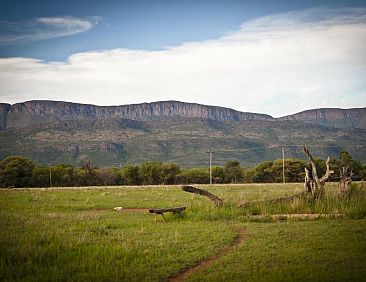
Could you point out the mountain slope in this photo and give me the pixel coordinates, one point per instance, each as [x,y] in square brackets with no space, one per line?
[334,117]
[60,132]
[34,113]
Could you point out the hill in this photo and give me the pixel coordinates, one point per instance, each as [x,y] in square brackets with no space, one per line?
[334,117]
[170,131]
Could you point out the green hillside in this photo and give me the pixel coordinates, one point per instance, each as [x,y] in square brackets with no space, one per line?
[184,141]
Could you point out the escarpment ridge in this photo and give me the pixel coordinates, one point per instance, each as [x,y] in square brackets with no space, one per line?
[38,112]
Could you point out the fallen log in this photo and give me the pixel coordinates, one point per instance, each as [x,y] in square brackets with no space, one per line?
[190,189]
[272,201]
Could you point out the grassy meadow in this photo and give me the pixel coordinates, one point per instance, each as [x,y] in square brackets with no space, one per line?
[73,234]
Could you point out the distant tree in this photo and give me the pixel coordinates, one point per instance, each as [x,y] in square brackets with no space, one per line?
[130,175]
[69,176]
[86,174]
[64,175]
[233,172]
[346,160]
[16,171]
[194,176]
[151,173]
[170,171]
[262,173]
[106,176]
[248,174]
[218,174]
[40,176]
[294,170]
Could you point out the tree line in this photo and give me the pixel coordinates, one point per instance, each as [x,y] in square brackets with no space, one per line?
[18,171]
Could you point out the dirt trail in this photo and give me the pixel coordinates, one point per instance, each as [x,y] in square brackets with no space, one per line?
[135,210]
[142,210]
[241,235]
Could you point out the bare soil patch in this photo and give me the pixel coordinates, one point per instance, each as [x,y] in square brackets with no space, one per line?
[241,235]
[135,210]
[142,210]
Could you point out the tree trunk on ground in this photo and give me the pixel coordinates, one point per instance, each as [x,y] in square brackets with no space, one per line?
[218,202]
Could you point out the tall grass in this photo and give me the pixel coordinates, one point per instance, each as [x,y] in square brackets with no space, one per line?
[74,234]
[351,205]
[321,250]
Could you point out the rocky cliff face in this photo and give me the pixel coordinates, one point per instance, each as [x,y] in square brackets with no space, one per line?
[61,132]
[332,117]
[34,113]
[4,110]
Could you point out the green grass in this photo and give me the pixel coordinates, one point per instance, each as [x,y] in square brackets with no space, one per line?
[74,235]
[322,250]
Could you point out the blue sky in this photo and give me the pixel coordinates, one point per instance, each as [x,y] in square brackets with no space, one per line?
[149,25]
[247,55]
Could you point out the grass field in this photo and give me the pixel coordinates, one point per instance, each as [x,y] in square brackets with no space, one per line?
[74,235]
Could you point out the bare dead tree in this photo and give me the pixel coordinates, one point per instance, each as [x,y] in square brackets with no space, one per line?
[345,179]
[313,184]
[309,183]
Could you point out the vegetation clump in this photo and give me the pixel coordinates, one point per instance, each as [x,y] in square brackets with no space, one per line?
[17,171]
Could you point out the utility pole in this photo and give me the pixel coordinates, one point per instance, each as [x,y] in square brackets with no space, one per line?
[49,165]
[283,165]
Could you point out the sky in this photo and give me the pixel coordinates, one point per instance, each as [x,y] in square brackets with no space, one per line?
[276,57]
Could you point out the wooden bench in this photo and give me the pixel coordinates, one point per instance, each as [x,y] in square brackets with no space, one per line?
[162,211]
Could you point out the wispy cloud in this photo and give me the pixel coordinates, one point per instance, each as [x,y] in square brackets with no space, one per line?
[43,28]
[278,64]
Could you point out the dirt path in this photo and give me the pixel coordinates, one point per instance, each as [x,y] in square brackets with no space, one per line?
[241,235]
[138,210]
[135,210]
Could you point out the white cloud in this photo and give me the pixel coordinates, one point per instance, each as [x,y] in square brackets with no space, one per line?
[278,64]
[43,28]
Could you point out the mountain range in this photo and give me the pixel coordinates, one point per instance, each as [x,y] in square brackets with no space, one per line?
[171,131]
